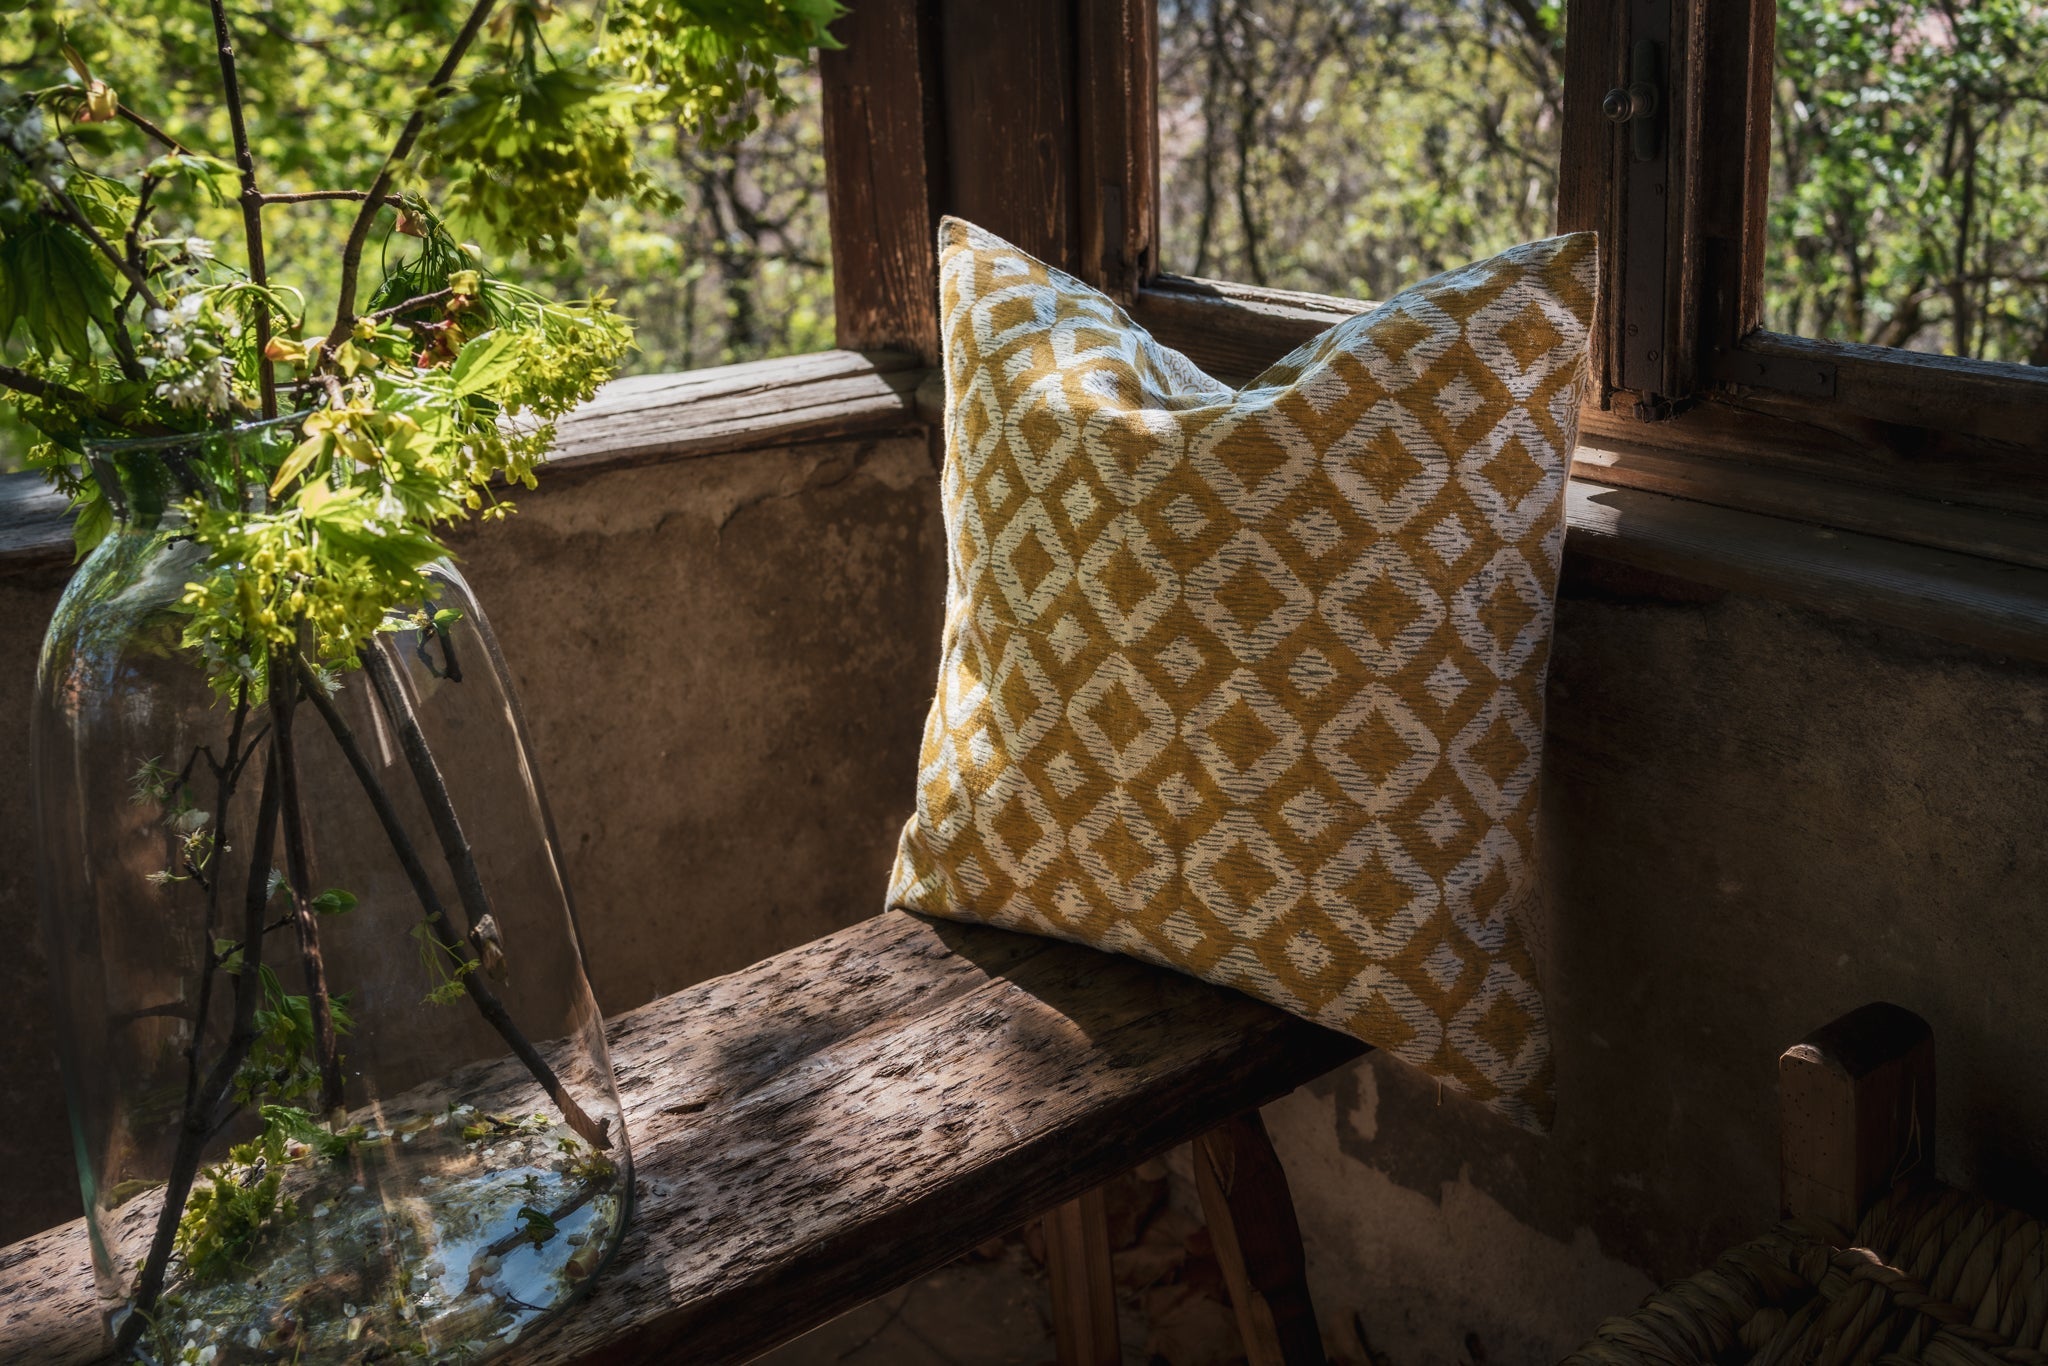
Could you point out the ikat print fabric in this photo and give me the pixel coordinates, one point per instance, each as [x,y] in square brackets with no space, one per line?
[1249,683]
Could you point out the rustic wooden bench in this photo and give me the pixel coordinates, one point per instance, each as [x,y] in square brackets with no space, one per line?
[842,1118]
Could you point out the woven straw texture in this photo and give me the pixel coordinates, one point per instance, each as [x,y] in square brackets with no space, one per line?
[1932,1276]
[1250,683]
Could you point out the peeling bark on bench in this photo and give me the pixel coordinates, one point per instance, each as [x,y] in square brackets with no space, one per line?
[842,1118]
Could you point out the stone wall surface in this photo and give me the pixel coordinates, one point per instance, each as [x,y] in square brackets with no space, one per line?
[1756,818]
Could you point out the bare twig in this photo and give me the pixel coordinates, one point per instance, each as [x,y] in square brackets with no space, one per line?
[555,1216]
[200,1120]
[359,232]
[596,1133]
[310,196]
[159,134]
[439,296]
[93,235]
[226,773]
[252,207]
[35,386]
[298,870]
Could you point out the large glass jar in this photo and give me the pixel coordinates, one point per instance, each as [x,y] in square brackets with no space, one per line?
[317,977]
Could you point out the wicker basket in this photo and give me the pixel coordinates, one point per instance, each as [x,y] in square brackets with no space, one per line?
[1932,1275]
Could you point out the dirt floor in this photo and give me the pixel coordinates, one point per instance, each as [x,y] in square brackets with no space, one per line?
[993,1307]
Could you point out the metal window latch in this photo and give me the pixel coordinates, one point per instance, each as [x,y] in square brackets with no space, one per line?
[1640,104]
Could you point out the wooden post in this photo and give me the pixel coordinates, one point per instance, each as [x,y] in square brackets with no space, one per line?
[884,176]
[1258,1243]
[1083,1289]
[1117,82]
[1012,136]
[1856,1102]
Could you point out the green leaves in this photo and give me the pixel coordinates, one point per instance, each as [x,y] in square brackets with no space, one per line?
[485,362]
[53,282]
[334,901]
[298,1126]
[536,1224]
[526,149]
[214,177]
[421,414]
[1907,207]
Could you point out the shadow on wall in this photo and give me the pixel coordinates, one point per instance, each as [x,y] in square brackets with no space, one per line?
[725,662]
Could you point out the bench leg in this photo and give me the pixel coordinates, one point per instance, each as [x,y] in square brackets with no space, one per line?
[1083,1290]
[1258,1243]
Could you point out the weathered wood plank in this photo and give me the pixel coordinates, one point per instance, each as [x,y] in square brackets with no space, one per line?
[1960,598]
[1805,497]
[1586,198]
[641,419]
[818,397]
[1234,331]
[842,1118]
[35,526]
[884,175]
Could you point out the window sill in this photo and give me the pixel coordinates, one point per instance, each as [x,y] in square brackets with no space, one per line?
[1964,599]
[638,420]
[1957,592]
[1971,575]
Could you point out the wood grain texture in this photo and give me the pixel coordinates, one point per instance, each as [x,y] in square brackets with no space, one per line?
[1806,497]
[1012,136]
[1234,331]
[1586,199]
[823,396]
[35,524]
[1856,1107]
[1077,1260]
[884,176]
[1959,598]
[842,1118]
[1257,1239]
[1117,81]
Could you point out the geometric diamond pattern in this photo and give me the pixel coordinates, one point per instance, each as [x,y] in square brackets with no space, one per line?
[1249,683]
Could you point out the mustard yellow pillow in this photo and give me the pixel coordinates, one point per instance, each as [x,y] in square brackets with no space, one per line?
[1249,683]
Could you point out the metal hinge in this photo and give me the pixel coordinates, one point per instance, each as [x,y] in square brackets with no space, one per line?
[1780,374]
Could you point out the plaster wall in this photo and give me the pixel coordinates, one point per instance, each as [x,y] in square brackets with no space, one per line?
[724,664]
[1756,819]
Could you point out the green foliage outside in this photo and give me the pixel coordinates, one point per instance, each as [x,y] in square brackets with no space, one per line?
[1910,175]
[717,252]
[1352,147]
[440,379]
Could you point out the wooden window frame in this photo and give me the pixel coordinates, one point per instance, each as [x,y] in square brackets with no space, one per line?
[1037,119]
[1937,449]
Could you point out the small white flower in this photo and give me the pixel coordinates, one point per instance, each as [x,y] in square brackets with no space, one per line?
[189,306]
[199,248]
[156,320]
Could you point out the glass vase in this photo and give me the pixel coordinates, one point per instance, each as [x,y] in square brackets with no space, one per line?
[337,1084]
